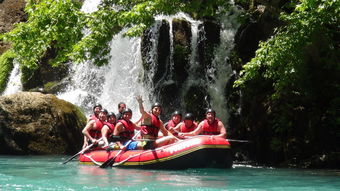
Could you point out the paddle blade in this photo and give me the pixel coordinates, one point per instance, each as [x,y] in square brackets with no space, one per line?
[108,162]
[71,158]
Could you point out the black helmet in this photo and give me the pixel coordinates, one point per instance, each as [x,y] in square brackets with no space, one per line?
[97,105]
[127,110]
[156,104]
[104,111]
[189,116]
[210,111]
[176,113]
[111,114]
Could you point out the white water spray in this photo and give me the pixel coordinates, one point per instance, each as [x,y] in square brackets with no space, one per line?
[108,85]
[220,71]
[14,82]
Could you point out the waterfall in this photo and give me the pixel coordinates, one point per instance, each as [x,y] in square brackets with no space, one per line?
[124,76]
[118,81]
[217,75]
[108,85]
[220,71]
[14,84]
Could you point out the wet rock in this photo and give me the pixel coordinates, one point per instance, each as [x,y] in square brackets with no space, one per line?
[36,123]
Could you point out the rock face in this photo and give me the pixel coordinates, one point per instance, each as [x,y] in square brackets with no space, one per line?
[36,123]
[173,69]
[11,11]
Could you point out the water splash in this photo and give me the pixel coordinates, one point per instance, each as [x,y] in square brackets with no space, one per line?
[118,81]
[14,84]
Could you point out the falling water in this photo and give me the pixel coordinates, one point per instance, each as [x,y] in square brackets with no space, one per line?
[220,71]
[14,84]
[118,81]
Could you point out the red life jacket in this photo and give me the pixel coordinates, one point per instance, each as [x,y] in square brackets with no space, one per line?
[93,117]
[171,123]
[210,129]
[129,129]
[152,129]
[96,133]
[111,129]
[185,129]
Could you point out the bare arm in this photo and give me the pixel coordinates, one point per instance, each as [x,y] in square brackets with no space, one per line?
[90,125]
[104,132]
[163,130]
[145,115]
[118,129]
[223,131]
[197,131]
[177,128]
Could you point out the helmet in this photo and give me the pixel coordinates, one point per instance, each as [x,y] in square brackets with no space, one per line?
[111,114]
[210,111]
[127,110]
[189,116]
[104,111]
[97,105]
[176,113]
[156,104]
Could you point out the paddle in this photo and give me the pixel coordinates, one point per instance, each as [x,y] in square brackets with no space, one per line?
[239,141]
[110,161]
[80,152]
[229,140]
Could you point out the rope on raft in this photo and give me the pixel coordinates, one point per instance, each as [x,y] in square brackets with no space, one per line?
[95,162]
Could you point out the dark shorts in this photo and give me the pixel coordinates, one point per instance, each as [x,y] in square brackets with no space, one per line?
[148,145]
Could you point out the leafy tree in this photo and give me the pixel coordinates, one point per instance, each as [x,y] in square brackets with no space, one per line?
[59,24]
[301,63]
[51,24]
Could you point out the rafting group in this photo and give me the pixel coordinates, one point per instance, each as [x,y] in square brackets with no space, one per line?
[117,132]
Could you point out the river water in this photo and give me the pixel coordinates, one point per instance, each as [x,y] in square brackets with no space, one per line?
[47,173]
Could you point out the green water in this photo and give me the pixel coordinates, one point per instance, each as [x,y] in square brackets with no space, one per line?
[47,173]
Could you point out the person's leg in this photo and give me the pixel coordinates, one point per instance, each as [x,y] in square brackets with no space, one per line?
[165,141]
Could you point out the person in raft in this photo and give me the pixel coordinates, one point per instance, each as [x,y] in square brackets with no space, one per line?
[108,128]
[92,130]
[188,125]
[151,125]
[176,118]
[96,110]
[125,129]
[209,126]
[121,108]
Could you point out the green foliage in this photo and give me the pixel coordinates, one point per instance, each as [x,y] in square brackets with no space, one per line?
[51,24]
[280,58]
[6,66]
[301,63]
[59,24]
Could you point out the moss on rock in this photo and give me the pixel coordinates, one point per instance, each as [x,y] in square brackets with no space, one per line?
[6,66]
[36,123]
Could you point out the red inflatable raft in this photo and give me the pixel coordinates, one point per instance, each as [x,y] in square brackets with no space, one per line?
[196,152]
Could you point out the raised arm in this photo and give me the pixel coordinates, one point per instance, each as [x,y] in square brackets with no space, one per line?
[141,107]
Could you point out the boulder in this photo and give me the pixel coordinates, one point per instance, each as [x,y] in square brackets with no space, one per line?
[36,123]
